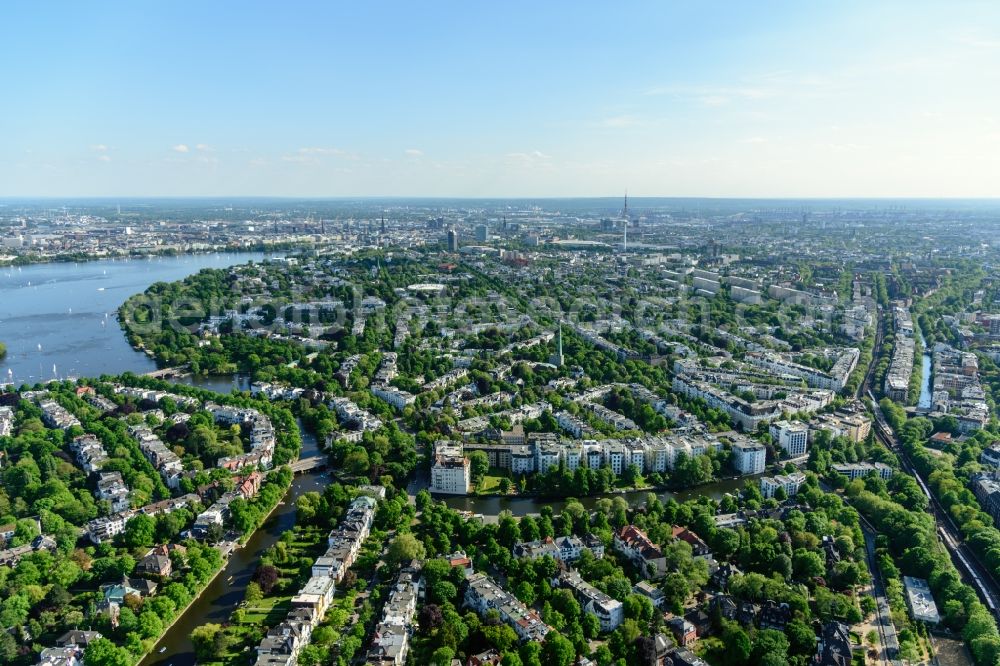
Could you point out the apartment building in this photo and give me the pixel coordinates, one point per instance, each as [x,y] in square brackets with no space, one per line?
[451,471]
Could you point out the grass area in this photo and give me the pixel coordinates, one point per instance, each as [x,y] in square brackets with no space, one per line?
[490,484]
[621,485]
[268,611]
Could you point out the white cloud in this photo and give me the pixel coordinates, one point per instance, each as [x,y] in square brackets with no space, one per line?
[313,155]
[714,100]
[181,148]
[414,152]
[99,147]
[531,159]
[204,148]
[104,158]
[620,121]
[335,152]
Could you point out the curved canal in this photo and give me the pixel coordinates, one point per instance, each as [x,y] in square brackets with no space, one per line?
[224,593]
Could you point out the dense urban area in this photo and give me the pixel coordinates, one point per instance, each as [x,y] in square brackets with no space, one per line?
[549,433]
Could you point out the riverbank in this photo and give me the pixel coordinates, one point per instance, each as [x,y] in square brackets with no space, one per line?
[222,596]
[662,488]
[58,319]
[80,258]
[180,615]
[522,505]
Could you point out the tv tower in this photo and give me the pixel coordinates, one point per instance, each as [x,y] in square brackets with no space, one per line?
[625,224]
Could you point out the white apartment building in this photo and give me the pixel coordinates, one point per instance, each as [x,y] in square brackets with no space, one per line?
[791,436]
[451,472]
[398,398]
[858,470]
[790,483]
[749,457]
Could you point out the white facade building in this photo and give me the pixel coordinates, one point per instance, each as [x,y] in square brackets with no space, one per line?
[451,471]
[749,458]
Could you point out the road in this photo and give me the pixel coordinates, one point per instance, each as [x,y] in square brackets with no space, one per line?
[886,629]
[883,614]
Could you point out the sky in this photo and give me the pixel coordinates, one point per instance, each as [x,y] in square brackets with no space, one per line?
[495,99]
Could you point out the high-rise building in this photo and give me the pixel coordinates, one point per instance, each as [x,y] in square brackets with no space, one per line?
[791,436]
[482,233]
[749,458]
[452,240]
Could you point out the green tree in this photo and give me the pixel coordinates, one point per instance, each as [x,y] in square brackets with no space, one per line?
[103,652]
[557,650]
[479,464]
[404,547]
[140,531]
[442,656]
[203,639]
[737,644]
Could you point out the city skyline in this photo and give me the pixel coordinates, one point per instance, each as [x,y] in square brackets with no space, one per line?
[852,100]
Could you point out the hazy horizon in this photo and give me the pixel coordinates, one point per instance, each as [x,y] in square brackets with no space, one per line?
[853,100]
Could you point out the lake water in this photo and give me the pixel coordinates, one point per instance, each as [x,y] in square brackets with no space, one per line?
[58,320]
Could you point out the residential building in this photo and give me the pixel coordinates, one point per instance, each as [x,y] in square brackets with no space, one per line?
[857,470]
[451,471]
[920,600]
[791,436]
[482,593]
[608,611]
[749,457]
[565,548]
[790,483]
[391,641]
[6,421]
[834,647]
[648,558]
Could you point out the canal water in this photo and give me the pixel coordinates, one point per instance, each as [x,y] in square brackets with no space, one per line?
[58,320]
[926,396]
[218,601]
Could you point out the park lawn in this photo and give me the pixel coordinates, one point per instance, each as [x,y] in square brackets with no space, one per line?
[268,611]
[490,484]
[237,654]
[621,485]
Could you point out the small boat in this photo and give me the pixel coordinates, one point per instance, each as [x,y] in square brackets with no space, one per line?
[163,649]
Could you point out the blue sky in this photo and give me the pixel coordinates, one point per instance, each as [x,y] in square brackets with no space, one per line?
[500,99]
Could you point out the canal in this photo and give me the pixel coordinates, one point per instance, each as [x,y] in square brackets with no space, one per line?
[926,397]
[223,594]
